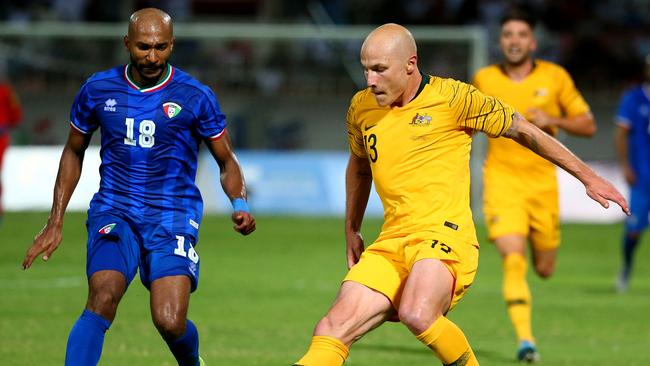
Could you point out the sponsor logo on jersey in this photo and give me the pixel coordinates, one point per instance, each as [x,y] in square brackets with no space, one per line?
[110,105]
[171,109]
[107,228]
[194,224]
[367,127]
[421,120]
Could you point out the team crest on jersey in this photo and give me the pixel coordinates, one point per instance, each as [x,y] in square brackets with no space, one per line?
[107,228]
[171,109]
[541,92]
[421,120]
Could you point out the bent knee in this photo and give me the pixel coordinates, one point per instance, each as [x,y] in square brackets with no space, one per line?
[417,321]
[169,327]
[103,303]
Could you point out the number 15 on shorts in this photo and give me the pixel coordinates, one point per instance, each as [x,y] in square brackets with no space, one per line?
[435,243]
[180,249]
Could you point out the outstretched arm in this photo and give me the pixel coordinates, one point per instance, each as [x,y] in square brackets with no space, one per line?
[358,181]
[530,136]
[232,182]
[66,180]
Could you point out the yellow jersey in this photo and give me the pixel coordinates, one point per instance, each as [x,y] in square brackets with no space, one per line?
[419,154]
[548,87]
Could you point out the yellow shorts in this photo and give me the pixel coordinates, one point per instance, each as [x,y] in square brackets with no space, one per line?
[385,265]
[535,216]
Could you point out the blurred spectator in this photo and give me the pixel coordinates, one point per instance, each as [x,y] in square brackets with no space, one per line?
[70,10]
[10,116]
[104,11]
[22,11]
[180,10]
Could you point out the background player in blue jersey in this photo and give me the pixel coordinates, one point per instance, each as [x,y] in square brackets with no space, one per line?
[148,210]
[633,148]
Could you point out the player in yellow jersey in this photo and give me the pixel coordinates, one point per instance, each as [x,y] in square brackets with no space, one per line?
[411,134]
[520,188]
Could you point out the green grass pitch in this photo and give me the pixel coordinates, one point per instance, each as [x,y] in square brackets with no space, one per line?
[260,296]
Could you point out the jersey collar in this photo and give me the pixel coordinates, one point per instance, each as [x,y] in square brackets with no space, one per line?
[425,80]
[502,67]
[164,80]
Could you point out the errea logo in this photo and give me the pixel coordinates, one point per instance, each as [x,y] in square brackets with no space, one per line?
[110,105]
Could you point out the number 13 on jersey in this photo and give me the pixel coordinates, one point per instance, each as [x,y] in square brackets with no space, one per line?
[371,145]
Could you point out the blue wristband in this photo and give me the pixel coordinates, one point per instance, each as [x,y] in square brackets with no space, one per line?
[239,204]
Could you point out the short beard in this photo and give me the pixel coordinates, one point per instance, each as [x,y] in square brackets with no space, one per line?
[146,79]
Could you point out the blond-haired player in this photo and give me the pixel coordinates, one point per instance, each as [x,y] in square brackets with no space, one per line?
[411,134]
[520,188]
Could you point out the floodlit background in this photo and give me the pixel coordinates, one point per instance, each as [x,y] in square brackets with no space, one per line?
[284,72]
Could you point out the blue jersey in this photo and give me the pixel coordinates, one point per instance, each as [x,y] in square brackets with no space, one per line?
[634,114]
[149,144]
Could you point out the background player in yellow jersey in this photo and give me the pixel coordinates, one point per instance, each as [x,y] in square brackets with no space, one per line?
[520,187]
[411,134]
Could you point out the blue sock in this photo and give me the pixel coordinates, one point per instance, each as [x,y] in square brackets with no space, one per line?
[186,348]
[86,340]
[629,245]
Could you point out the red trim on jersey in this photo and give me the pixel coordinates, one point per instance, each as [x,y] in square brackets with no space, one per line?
[10,109]
[162,84]
[218,136]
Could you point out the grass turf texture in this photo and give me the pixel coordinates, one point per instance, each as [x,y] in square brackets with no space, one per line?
[260,296]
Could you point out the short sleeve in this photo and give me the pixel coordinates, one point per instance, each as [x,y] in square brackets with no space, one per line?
[477,111]
[355,137]
[625,113]
[570,99]
[211,123]
[82,116]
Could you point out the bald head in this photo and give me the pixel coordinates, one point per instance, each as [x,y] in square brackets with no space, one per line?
[150,42]
[389,59]
[392,40]
[150,20]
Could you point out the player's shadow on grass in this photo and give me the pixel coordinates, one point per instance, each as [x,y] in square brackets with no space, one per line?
[489,357]
[391,348]
[485,356]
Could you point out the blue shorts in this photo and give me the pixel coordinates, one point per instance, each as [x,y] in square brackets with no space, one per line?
[117,243]
[640,208]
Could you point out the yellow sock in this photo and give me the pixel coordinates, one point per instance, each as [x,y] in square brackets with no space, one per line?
[324,351]
[517,295]
[448,342]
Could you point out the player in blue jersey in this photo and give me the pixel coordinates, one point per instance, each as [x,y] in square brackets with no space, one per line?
[633,148]
[147,212]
